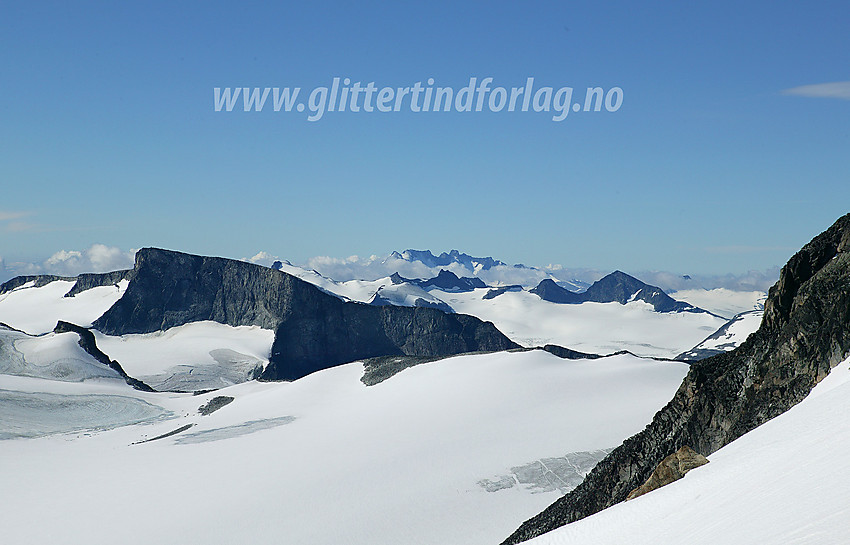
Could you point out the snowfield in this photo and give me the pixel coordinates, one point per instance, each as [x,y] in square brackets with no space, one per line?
[325,459]
[194,356]
[722,301]
[36,310]
[783,483]
[599,328]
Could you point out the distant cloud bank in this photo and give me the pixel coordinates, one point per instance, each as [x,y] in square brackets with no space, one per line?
[103,258]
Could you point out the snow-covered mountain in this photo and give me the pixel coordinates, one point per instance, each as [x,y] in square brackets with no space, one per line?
[804,334]
[412,409]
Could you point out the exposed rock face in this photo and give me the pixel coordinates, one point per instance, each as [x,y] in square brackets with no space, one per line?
[321,333]
[87,343]
[671,468]
[87,281]
[805,332]
[313,330]
[617,287]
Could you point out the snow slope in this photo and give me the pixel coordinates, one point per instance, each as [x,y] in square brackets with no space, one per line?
[194,356]
[36,310]
[784,483]
[364,291]
[601,328]
[50,356]
[722,301]
[727,338]
[328,460]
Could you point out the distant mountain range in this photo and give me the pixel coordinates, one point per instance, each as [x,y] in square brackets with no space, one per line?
[474,264]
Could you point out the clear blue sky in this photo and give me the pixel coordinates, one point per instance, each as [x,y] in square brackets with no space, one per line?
[108,132]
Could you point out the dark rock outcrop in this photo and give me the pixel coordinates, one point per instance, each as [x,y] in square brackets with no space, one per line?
[313,330]
[214,404]
[87,342]
[38,281]
[805,332]
[617,287]
[671,468]
[548,290]
[449,281]
[495,292]
[569,353]
[84,281]
[321,333]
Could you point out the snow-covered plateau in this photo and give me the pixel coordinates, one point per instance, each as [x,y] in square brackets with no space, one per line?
[460,450]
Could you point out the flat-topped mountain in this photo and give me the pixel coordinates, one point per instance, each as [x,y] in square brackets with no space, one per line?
[805,332]
[313,330]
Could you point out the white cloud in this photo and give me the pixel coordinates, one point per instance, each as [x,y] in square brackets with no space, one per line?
[96,258]
[838,89]
[262,258]
[6,215]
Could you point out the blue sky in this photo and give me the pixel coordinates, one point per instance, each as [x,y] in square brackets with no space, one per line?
[109,134]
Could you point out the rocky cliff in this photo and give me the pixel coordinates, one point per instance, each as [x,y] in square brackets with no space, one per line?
[805,332]
[313,330]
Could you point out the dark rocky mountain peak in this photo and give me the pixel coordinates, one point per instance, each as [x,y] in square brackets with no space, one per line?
[617,287]
[449,281]
[622,288]
[313,330]
[548,290]
[804,333]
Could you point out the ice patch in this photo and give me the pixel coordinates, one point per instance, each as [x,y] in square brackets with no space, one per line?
[548,474]
[39,414]
[228,432]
